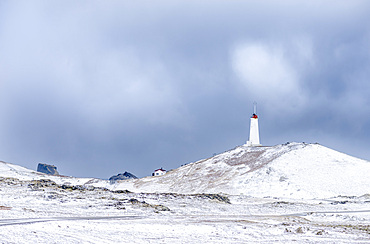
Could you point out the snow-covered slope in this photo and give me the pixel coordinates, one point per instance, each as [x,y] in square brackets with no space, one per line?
[8,170]
[16,171]
[295,170]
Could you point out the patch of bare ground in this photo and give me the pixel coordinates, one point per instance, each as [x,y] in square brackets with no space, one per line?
[5,208]
[256,159]
[143,204]
[350,227]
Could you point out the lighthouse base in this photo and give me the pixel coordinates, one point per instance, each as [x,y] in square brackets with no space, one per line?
[250,144]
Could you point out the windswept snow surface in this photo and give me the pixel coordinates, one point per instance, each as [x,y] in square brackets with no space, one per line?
[44,212]
[294,170]
[286,194]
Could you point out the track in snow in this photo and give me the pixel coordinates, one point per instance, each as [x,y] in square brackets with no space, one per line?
[21,221]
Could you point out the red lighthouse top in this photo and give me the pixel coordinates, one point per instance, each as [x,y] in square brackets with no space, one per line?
[254,116]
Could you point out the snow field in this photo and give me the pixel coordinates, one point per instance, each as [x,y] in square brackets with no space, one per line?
[51,214]
[293,193]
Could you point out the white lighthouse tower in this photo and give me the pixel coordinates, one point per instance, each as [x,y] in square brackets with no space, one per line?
[254,137]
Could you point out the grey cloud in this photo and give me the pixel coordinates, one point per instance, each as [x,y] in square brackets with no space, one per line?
[98,87]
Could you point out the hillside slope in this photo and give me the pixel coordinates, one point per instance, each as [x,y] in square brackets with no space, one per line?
[8,170]
[296,170]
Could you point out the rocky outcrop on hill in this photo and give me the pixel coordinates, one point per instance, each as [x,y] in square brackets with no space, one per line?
[47,169]
[124,176]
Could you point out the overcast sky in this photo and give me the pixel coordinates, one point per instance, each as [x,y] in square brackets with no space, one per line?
[102,87]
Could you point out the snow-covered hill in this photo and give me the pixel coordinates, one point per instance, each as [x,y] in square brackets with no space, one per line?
[8,170]
[295,170]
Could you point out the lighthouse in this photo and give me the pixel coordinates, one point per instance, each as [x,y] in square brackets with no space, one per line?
[254,137]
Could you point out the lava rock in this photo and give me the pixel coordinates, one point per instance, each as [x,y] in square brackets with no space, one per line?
[47,169]
[124,176]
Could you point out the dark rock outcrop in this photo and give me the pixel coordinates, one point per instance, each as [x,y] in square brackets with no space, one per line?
[47,169]
[124,176]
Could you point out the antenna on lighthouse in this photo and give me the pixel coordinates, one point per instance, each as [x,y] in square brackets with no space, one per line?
[254,108]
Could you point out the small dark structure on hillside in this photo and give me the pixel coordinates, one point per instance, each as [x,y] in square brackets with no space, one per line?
[124,176]
[47,169]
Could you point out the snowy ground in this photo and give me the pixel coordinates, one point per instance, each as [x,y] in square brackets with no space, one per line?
[294,170]
[45,212]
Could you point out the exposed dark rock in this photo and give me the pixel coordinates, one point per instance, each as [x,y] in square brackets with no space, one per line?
[47,169]
[121,191]
[216,197]
[160,207]
[137,202]
[82,188]
[124,176]
[36,184]
[144,204]
[339,202]
[299,230]
[10,180]
[119,205]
